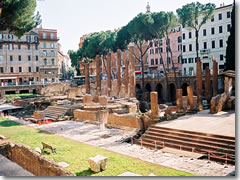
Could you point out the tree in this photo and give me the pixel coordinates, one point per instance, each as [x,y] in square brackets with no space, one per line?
[17,16]
[75,60]
[139,29]
[70,73]
[195,15]
[230,53]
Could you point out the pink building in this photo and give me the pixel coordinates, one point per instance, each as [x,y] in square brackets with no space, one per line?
[155,63]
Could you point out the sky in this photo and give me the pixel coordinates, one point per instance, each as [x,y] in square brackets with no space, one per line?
[74,18]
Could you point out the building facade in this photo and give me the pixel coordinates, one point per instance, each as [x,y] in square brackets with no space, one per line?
[19,58]
[213,38]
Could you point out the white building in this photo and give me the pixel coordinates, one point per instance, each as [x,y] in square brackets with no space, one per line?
[213,38]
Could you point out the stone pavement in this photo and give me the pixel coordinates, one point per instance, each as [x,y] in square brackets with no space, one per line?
[111,140]
[9,168]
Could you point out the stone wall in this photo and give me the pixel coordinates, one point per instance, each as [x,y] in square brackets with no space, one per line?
[85,115]
[33,161]
[124,120]
[55,89]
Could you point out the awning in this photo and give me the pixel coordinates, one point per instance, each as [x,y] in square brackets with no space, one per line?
[3,78]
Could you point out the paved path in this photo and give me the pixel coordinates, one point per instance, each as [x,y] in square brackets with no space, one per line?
[9,168]
[222,123]
[91,134]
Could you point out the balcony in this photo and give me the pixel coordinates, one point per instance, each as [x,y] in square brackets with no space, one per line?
[205,51]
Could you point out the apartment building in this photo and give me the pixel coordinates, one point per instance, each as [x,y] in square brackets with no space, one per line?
[19,58]
[155,61]
[213,38]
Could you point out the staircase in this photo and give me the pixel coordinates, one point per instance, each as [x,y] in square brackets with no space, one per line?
[213,147]
[55,112]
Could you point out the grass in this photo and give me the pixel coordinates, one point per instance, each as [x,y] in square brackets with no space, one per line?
[76,154]
[22,96]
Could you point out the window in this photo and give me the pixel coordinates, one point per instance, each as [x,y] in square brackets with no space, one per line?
[51,36]
[179,47]
[213,44]
[220,29]
[221,57]
[156,61]
[36,40]
[161,43]
[29,58]
[152,61]
[184,48]
[212,30]
[44,53]
[190,35]
[183,36]
[156,43]
[11,69]
[28,38]
[189,60]
[190,47]
[10,46]
[156,51]
[151,51]
[1,58]
[36,58]
[179,39]
[44,45]
[190,71]
[44,35]
[36,46]
[52,45]
[151,44]
[53,62]
[179,59]
[1,36]
[212,19]
[11,58]
[161,61]
[19,46]
[45,62]
[19,69]
[205,45]
[228,14]
[19,58]
[29,47]
[37,69]
[228,27]
[169,60]
[220,43]
[161,50]
[1,70]
[220,16]
[204,32]
[52,53]
[29,69]
[1,46]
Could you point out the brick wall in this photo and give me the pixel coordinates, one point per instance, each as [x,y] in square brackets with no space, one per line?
[123,120]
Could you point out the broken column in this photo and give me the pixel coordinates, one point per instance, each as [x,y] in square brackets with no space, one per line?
[215,76]
[126,78]
[109,75]
[190,97]
[87,82]
[207,85]
[179,99]
[132,80]
[199,84]
[119,82]
[154,104]
[98,76]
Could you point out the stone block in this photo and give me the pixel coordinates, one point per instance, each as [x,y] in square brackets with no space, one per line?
[98,163]
[83,115]
[170,110]
[154,104]
[230,102]
[72,93]
[38,115]
[96,99]
[87,100]
[222,102]
[214,103]
[103,100]
[79,91]
[127,120]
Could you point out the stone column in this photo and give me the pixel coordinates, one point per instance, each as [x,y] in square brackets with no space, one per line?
[87,82]
[126,78]
[207,85]
[199,84]
[215,76]
[109,75]
[98,76]
[179,99]
[119,82]
[190,97]
[154,104]
[132,80]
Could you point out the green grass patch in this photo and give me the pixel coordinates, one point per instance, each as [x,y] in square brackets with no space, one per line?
[76,154]
[22,96]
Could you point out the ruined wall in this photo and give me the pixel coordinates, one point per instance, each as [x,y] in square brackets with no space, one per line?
[123,120]
[85,115]
[34,162]
[55,89]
